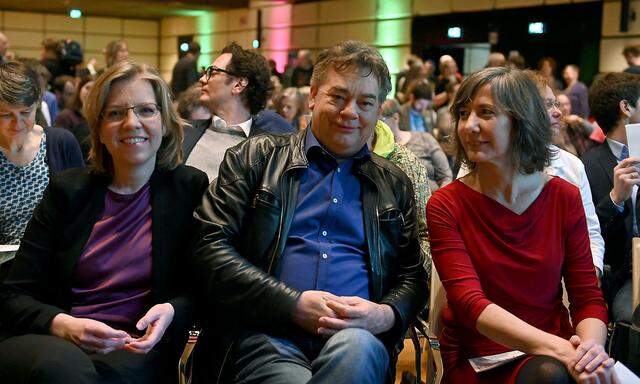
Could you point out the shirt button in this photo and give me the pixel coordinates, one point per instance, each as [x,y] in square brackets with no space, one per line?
[324,233]
[324,256]
[335,201]
[338,169]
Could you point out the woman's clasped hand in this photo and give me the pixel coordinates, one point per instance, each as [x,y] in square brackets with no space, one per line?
[591,364]
[97,337]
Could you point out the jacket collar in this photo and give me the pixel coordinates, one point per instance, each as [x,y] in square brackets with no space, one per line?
[299,150]
[298,156]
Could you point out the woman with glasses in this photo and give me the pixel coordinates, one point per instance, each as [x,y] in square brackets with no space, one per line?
[99,290]
[504,236]
[29,153]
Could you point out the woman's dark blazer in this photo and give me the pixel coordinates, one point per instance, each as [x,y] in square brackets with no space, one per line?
[39,284]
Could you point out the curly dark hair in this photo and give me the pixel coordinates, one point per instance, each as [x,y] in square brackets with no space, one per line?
[607,92]
[253,67]
[516,95]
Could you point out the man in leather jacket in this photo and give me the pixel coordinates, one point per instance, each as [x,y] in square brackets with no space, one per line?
[309,258]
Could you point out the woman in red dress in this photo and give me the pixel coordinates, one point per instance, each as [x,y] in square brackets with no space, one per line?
[502,239]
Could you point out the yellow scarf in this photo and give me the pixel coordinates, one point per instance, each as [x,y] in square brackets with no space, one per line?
[385,142]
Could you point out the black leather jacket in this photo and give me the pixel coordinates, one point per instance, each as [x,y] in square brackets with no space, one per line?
[244,223]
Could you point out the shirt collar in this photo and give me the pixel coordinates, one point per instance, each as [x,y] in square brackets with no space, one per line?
[616,147]
[311,142]
[245,126]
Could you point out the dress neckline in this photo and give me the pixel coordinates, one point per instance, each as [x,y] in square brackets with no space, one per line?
[524,213]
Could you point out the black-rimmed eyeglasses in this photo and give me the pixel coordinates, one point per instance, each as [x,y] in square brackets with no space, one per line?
[209,72]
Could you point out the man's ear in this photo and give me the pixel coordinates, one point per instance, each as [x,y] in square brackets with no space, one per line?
[241,84]
[313,92]
[625,108]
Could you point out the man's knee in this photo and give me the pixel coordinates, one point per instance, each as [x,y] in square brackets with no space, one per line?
[358,342]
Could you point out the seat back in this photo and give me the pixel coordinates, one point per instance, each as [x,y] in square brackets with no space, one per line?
[437,301]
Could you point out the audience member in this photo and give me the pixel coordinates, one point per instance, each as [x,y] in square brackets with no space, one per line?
[317,287]
[576,91]
[301,75]
[568,167]
[547,67]
[72,119]
[448,74]
[305,117]
[100,281]
[274,69]
[577,129]
[276,94]
[29,153]
[235,88]
[430,71]
[384,144]
[401,77]
[516,60]
[503,284]
[632,56]
[4,46]
[50,57]
[417,113]
[115,52]
[422,144]
[614,181]
[63,88]
[417,74]
[496,59]
[185,72]
[49,106]
[190,107]
[443,114]
[289,106]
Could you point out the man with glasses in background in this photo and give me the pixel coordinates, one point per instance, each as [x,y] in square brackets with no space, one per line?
[235,88]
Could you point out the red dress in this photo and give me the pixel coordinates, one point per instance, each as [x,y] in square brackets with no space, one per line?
[485,253]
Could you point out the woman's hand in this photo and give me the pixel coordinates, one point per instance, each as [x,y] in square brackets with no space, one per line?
[91,335]
[155,321]
[591,364]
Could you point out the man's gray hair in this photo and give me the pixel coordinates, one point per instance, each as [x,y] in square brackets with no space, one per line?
[349,55]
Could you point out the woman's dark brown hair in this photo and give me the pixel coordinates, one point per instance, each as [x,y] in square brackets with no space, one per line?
[515,94]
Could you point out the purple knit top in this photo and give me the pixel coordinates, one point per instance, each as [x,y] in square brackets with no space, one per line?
[112,278]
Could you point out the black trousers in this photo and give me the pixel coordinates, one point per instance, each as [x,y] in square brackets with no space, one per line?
[49,359]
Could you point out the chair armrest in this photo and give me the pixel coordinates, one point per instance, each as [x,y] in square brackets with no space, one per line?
[185,365]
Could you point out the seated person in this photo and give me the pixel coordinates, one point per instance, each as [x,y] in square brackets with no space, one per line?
[71,117]
[29,153]
[289,106]
[98,290]
[235,89]
[383,144]
[502,239]
[417,113]
[309,247]
[614,180]
[423,144]
[575,131]
[190,107]
[568,167]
